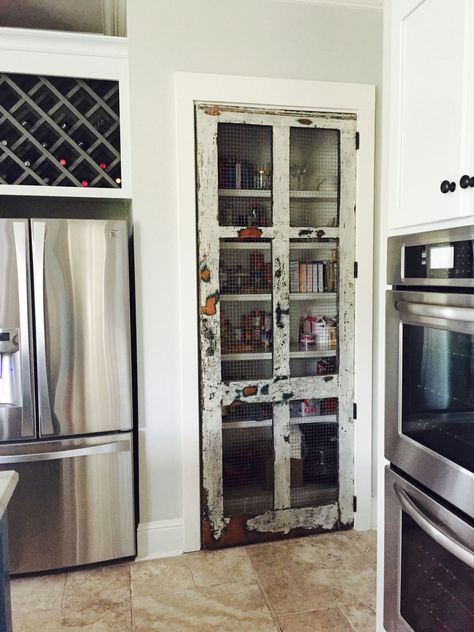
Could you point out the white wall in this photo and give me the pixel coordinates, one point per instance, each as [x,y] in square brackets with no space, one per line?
[242,37]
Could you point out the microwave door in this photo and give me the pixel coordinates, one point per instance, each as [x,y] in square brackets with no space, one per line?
[17,417]
[83,326]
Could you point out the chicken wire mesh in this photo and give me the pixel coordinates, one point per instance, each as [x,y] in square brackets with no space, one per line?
[247,458]
[313,307]
[244,174]
[245,276]
[314,177]
[314,452]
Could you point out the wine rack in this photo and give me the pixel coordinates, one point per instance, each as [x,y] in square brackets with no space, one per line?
[59,131]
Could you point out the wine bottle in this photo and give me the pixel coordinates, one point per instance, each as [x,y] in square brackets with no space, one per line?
[102,165]
[63,162]
[84,183]
[25,123]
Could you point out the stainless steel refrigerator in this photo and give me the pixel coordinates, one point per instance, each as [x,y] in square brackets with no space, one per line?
[66,391]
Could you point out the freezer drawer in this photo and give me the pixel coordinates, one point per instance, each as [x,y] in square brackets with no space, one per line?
[73,504]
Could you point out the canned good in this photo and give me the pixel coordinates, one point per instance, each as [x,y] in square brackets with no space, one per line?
[307,339]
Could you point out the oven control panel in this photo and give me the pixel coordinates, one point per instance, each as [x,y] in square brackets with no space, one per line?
[439,261]
[433,258]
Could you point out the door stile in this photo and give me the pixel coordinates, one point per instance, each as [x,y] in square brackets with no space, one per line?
[209,324]
[347,227]
[281,311]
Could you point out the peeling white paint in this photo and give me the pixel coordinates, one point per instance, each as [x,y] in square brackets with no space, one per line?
[281,521]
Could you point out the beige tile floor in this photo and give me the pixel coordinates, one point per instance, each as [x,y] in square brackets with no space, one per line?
[323,583]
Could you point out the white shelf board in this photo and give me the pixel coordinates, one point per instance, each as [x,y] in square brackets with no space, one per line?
[314,419]
[313,195]
[232,357]
[246,193]
[262,423]
[312,245]
[311,351]
[311,296]
[245,245]
[240,298]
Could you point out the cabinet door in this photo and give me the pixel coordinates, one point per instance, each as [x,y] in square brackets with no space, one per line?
[428,99]
[276,251]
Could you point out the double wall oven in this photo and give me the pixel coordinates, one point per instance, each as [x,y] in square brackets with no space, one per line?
[429,433]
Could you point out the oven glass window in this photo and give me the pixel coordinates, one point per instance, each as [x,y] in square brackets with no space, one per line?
[438,391]
[436,588]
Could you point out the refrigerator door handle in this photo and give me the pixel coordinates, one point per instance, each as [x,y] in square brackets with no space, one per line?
[20,237]
[68,453]
[44,406]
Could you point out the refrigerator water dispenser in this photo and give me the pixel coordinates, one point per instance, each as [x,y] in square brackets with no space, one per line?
[10,374]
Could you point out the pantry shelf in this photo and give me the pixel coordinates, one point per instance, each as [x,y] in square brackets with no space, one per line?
[314,419]
[311,296]
[233,357]
[316,195]
[261,423]
[242,298]
[247,193]
[302,351]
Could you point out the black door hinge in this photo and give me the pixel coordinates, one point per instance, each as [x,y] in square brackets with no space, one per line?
[356,270]
[357,140]
[354,504]
[354,410]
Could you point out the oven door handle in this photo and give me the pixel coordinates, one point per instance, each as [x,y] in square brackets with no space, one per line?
[441,312]
[432,529]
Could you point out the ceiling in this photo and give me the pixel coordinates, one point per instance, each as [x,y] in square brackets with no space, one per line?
[88,16]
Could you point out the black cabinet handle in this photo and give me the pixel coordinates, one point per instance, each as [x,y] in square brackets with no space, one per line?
[466,181]
[447,186]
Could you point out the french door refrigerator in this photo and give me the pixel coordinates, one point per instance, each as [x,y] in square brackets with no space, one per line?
[65,391]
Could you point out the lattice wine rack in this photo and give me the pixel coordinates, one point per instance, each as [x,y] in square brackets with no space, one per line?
[59,131]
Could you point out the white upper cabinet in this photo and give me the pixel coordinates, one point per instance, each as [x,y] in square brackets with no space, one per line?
[431,107]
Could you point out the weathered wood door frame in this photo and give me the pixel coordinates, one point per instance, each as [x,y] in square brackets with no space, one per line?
[281,389]
[294,94]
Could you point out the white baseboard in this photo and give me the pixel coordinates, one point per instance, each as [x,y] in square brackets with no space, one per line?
[163,538]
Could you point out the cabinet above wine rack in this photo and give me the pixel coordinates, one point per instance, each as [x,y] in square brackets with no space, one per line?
[59,131]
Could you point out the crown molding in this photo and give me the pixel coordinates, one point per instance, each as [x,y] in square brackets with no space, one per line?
[359,4]
[115,17]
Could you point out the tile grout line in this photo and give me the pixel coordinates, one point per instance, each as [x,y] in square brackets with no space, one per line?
[347,619]
[262,590]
